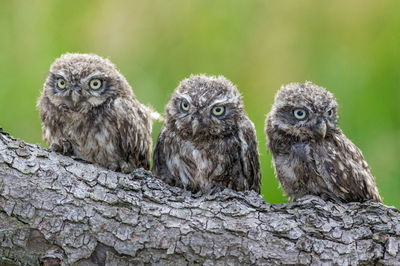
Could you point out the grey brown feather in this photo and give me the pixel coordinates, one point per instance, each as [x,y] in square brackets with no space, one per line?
[88,110]
[207,141]
[311,155]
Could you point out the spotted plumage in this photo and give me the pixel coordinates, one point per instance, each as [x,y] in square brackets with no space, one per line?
[207,141]
[311,155]
[88,110]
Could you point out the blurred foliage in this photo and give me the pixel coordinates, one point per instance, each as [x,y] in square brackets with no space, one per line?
[349,47]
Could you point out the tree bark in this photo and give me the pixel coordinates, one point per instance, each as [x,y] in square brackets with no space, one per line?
[52,206]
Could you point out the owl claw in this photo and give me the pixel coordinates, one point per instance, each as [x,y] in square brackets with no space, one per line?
[67,148]
[125,167]
[198,194]
[113,166]
[331,197]
[55,147]
[216,190]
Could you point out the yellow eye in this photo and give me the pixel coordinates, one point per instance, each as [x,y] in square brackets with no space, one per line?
[61,83]
[218,110]
[300,114]
[95,84]
[185,106]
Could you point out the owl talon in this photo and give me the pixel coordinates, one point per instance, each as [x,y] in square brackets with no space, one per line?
[67,148]
[125,167]
[55,147]
[113,167]
[331,197]
[198,194]
[217,190]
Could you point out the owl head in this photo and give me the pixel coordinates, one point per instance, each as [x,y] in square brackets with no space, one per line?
[204,107]
[80,82]
[304,111]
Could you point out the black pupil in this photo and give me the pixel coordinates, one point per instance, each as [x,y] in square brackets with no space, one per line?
[329,112]
[62,82]
[185,105]
[217,109]
[95,83]
[300,113]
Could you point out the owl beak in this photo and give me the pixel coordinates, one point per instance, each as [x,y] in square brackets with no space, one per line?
[320,127]
[195,126]
[76,88]
[75,95]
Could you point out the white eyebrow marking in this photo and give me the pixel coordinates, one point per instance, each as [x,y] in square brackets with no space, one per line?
[221,100]
[186,97]
[226,99]
[61,73]
[95,74]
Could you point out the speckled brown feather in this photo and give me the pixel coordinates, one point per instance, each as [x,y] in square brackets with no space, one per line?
[221,153]
[108,127]
[306,163]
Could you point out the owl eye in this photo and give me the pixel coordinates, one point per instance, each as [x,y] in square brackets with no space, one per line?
[218,110]
[185,106]
[330,113]
[300,114]
[95,84]
[61,83]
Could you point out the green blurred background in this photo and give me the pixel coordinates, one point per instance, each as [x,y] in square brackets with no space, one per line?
[350,47]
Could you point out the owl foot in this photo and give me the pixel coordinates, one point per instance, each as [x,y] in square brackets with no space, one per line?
[125,167]
[55,147]
[331,197]
[216,190]
[198,194]
[113,166]
[65,147]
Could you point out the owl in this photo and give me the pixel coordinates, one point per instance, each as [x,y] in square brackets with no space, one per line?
[88,110]
[207,142]
[311,155]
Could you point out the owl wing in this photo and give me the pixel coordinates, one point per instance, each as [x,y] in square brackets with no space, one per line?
[160,168]
[345,170]
[51,131]
[134,127]
[249,155]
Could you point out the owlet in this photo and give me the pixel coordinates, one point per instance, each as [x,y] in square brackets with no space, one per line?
[88,110]
[207,141]
[310,153]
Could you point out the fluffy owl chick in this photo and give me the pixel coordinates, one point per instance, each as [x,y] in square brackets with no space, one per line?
[88,110]
[311,155]
[207,141]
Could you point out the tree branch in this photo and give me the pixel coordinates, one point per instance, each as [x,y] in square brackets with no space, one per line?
[52,206]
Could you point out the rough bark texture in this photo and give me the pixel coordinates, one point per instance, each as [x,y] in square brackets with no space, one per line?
[52,206]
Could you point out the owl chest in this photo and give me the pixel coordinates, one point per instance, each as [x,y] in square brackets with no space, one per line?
[86,135]
[195,165]
[294,164]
